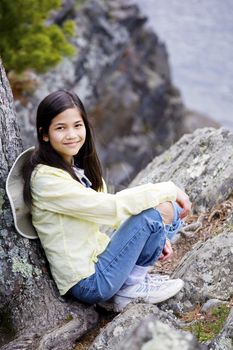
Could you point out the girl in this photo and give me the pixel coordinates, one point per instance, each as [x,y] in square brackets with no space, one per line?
[68,200]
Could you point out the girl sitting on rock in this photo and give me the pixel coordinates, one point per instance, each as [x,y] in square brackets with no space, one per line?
[67,196]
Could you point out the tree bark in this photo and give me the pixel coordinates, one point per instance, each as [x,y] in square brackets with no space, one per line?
[32,314]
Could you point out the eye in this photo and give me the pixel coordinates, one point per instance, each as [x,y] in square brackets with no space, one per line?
[60,128]
[78,125]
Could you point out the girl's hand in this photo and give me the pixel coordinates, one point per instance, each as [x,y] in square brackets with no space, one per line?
[183,200]
[167,251]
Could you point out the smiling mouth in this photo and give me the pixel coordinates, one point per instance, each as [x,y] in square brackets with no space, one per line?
[71,143]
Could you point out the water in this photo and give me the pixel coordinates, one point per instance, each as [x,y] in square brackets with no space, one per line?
[199,39]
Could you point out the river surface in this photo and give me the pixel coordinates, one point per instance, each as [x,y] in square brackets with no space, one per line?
[199,39]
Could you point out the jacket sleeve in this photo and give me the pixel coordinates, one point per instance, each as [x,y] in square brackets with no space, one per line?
[56,191]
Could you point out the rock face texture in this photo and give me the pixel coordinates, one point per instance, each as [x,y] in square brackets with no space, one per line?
[207,272]
[121,73]
[200,163]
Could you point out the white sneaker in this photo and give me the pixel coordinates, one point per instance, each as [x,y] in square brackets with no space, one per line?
[157,279]
[148,292]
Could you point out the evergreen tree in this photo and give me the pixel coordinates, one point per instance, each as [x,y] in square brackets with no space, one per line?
[27,38]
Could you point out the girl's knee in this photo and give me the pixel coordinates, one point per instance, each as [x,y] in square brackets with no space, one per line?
[151,220]
[167,212]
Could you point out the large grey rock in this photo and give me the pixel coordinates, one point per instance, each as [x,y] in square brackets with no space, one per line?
[144,327]
[207,272]
[152,334]
[201,163]
[122,325]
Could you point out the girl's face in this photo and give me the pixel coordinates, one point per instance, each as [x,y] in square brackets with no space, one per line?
[67,134]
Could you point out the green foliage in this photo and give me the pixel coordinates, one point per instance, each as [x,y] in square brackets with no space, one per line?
[208,327]
[69,317]
[27,40]
[69,28]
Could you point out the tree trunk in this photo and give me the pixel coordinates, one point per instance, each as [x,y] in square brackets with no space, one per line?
[32,315]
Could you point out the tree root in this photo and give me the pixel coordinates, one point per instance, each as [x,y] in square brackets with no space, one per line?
[64,337]
[60,338]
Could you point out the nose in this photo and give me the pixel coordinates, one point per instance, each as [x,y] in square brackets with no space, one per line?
[71,134]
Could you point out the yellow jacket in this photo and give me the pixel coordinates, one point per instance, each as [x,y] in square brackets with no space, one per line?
[67,217]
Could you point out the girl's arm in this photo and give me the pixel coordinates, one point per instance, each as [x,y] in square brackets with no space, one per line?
[56,191]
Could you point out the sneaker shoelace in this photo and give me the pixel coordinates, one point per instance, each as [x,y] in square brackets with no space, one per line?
[148,285]
[156,279]
[151,284]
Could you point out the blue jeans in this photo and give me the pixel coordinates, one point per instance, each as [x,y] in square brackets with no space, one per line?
[138,241]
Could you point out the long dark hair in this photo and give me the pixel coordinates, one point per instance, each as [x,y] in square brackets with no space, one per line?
[52,105]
